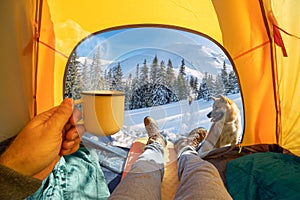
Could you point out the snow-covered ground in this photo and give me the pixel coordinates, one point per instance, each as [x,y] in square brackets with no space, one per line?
[174,119]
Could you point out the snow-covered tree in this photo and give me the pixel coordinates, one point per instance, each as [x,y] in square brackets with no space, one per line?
[182,89]
[182,68]
[136,80]
[170,75]
[117,78]
[137,73]
[210,84]
[233,83]
[151,95]
[218,85]
[154,70]
[144,75]
[161,74]
[86,76]
[127,91]
[109,80]
[73,80]
[194,84]
[203,91]
[96,71]
[225,81]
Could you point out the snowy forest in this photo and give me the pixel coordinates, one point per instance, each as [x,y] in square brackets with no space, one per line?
[153,83]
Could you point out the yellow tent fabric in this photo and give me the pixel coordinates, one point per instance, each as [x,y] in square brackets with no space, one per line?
[17,65]
[43,33]
[287,68]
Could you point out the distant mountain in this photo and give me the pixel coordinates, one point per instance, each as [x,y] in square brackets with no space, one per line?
[198,59]
[201,57]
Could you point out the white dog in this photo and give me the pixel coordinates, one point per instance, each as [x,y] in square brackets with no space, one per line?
[226,125]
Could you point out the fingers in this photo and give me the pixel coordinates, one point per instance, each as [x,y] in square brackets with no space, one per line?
[70,144]
[75,117]
[72,140]
[70,147]
[75,132]
[73,135]
[65,152]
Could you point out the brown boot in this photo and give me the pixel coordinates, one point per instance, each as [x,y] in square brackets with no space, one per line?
[191,142]
[196,136]
[153,132]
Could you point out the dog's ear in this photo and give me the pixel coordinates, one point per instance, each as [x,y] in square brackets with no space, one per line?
[223,98]
[213,98]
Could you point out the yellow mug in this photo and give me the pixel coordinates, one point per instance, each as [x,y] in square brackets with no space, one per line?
[103,111]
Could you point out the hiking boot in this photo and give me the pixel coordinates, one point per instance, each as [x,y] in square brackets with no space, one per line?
[153,133]
[191,142]
[196,136]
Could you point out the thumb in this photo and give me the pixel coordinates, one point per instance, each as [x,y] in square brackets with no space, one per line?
[62,114]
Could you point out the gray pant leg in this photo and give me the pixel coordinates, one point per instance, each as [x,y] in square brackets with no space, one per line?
[199,179]
[143,181]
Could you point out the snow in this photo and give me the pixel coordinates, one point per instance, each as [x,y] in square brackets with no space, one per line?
[174,120]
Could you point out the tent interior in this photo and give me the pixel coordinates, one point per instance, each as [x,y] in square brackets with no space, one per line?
[261,39]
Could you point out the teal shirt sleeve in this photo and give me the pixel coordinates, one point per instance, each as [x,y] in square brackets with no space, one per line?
[76,176]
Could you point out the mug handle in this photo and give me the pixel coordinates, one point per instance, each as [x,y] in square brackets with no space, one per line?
[76,102]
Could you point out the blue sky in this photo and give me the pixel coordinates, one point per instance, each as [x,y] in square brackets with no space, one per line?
[117,43]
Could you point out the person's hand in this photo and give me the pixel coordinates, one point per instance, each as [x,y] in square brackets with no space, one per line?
[44,139]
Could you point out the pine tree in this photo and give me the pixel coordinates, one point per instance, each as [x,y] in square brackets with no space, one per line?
[231,78]
[182,87]
[170,75]
[127,91]
[144,77]
[236,85]
[135,84]
[218,85]
[203,92]
[161,74]
[210,84]
[96,71]
[233,83]
[151,95]
[154,70]
[182,68]
[86,76]
[225,81]
[117,78]
[136,81]
[176,87]
[194,84]
[137,73]
[73,81]
[109,80]
[191,81]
